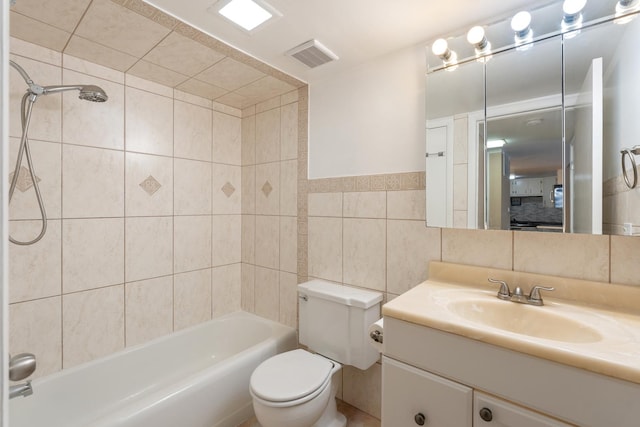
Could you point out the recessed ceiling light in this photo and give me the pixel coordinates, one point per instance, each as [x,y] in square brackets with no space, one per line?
[496,143]
[248,14]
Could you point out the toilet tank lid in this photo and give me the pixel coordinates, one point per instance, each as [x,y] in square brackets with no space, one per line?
[341,294]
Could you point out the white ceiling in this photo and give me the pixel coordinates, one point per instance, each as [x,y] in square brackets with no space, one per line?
[356,30]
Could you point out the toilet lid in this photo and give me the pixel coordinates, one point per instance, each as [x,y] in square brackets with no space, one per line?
[290,376]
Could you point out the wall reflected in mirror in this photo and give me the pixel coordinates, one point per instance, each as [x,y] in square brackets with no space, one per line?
[529,138]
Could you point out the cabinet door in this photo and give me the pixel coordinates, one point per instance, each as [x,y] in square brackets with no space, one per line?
[492,412]
[412,397]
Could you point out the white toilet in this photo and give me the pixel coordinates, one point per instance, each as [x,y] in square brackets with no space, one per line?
[295,389]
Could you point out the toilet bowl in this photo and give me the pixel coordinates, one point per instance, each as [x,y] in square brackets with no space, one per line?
[296,389]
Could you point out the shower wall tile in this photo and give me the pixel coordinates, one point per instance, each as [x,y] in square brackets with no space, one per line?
[227,189]
[248,279]
[191,243]
[42,318]
[149,185]
[35,270]
[227,139]
[267,244]
[368,204]
[92,253]
[288,244]
[46,118]
[106,56]
[226,289]
[268,136]
[289,188]
[95,124]
[289,299]
[37,32]
[189,98]
[192,295]
[248,251]
[227,241]
[92,324]
[248,140]
[192,131]
[148,247]
[149,122]
[325,204]
[30,50]
[148,310]
[267,293]
[134,82]
[192,187]
[289,132]
[74,63]
[268,189]
[47,165]
[93,182]
[248,189]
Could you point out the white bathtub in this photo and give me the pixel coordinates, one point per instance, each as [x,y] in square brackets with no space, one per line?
[198,377]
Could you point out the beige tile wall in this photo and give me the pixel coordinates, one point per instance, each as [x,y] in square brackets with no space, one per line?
[376,239]
[269,229]
[144,236]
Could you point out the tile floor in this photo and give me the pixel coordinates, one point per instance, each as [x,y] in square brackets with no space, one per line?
[355,417]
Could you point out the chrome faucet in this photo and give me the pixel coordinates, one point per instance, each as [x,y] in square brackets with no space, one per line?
[518,295]
[20,367]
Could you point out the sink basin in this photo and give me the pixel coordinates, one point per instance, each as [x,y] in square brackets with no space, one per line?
[539,322]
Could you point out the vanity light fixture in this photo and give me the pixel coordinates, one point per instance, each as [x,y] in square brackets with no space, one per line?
[247,14]
[476,36]
[440,48]
[624,7]
[521,26]
[572,10]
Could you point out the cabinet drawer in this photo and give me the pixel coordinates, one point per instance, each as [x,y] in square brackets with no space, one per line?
[504,414]
[408,391]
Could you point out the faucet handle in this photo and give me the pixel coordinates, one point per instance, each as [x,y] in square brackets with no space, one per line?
[504,292]
[534,296]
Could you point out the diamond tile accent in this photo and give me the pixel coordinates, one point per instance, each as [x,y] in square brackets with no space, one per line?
[24,182]
[228,189]
[150,185]
[267,188]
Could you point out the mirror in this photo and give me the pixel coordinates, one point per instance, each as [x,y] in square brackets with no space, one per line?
[529,136]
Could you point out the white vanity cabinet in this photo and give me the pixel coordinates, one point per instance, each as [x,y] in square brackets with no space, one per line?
[490,411]
[414,397]
[422,364]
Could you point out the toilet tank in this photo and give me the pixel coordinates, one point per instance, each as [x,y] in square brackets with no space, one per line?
[334,321]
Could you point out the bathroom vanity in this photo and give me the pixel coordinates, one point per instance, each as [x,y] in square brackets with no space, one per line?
[455,355]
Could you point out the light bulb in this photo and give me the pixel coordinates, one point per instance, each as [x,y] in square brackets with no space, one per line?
[440,48]
[475,36]
[520,23]
[626,7]
[573,7]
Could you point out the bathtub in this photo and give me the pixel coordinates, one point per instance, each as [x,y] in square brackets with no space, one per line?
[197,377]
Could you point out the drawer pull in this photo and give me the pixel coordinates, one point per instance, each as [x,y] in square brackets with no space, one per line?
[486,415]
[420,419]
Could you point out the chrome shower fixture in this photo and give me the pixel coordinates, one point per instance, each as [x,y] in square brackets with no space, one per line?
[88,93]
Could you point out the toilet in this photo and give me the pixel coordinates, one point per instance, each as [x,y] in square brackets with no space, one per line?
[296,388]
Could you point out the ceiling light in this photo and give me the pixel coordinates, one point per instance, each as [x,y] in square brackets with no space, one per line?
[476,36]
[248,14]
[440,48]
[521,26]
[496,143]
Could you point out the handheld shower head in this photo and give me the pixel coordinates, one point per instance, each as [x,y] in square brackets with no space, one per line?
[93,94]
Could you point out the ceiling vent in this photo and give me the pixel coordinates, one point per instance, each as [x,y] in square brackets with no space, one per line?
[312,54]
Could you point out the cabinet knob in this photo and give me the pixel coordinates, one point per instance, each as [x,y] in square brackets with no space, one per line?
[420,419]
[486,414]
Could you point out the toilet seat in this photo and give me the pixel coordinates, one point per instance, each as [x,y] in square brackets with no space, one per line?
[291,378]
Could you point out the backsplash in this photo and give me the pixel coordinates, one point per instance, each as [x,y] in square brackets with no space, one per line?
[532,209]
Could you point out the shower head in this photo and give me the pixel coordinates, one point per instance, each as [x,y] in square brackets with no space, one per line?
[88,93]
[93,94]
